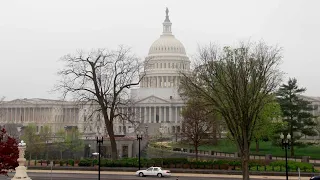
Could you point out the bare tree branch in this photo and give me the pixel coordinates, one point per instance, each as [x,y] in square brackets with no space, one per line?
[104,78]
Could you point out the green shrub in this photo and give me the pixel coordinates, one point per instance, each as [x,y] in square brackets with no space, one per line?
[71,162]
[85,162]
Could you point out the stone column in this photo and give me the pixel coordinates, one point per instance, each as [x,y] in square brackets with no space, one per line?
[24,114]
[166,80]
[7,116]
[160,115]
[165,114]
[33,118]
[15,115]
[176,119]
[179,117]
[149,114]
[145,118]
[170,113]
[155,114]
[162,83]
[21,170]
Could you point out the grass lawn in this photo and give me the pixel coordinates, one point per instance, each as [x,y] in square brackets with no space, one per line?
[265,148]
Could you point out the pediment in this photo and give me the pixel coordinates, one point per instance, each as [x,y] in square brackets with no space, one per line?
[152,99]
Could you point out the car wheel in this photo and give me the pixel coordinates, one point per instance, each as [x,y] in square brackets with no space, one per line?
[141,174]
[159,175]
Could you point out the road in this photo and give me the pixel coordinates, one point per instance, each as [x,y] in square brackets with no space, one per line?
[68,176]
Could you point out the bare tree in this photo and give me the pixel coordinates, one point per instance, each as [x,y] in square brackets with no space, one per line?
[196,123]
[103,78]
[12,129]
[317,127]
[236,83]
[2,110]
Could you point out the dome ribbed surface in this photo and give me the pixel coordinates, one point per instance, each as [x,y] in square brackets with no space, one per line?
[167,44]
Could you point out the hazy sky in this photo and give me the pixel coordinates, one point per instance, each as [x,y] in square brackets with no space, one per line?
[34,34]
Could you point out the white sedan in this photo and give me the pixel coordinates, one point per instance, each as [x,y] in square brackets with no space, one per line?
[153,171]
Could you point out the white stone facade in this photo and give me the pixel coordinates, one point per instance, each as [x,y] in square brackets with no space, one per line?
[157,102]
[54,113]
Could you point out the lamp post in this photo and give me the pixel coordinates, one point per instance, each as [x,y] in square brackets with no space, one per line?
[21,170]
[99,142]
[139,138]
[286,145]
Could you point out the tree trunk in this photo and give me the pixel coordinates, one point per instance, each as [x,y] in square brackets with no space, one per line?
[245,165]
[60,154]
[214,135]
[29,159]
[257,145]
[291,147]
[114,152]
[292,143]
[244,146]
[196,149]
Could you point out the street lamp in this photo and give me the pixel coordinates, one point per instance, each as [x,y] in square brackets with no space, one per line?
[286,146]
[139,138]
[99,142]
[21,170]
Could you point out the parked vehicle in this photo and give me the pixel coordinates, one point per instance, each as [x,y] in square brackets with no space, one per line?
[154,171]
[315,178]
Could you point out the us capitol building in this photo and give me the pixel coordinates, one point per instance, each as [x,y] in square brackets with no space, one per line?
[156,100]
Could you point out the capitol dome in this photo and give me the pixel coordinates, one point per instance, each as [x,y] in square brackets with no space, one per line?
[166,59]
[167,43]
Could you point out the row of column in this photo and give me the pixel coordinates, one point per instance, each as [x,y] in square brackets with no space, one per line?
[24,114]
[37,114]
[155,114]
[160,81]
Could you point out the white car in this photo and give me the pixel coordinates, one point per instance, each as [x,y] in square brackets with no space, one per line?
[153,171]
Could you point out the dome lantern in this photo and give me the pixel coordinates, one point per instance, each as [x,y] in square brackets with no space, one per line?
[167,43]
[167,24]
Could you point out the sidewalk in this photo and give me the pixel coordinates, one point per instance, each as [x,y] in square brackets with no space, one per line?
[173,174]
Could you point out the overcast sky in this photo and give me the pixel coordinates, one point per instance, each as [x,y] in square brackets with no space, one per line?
[34,34]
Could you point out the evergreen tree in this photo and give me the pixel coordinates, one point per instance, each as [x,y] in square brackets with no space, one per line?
[296,112]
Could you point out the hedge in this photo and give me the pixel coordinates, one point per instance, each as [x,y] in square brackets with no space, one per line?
[256,165]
